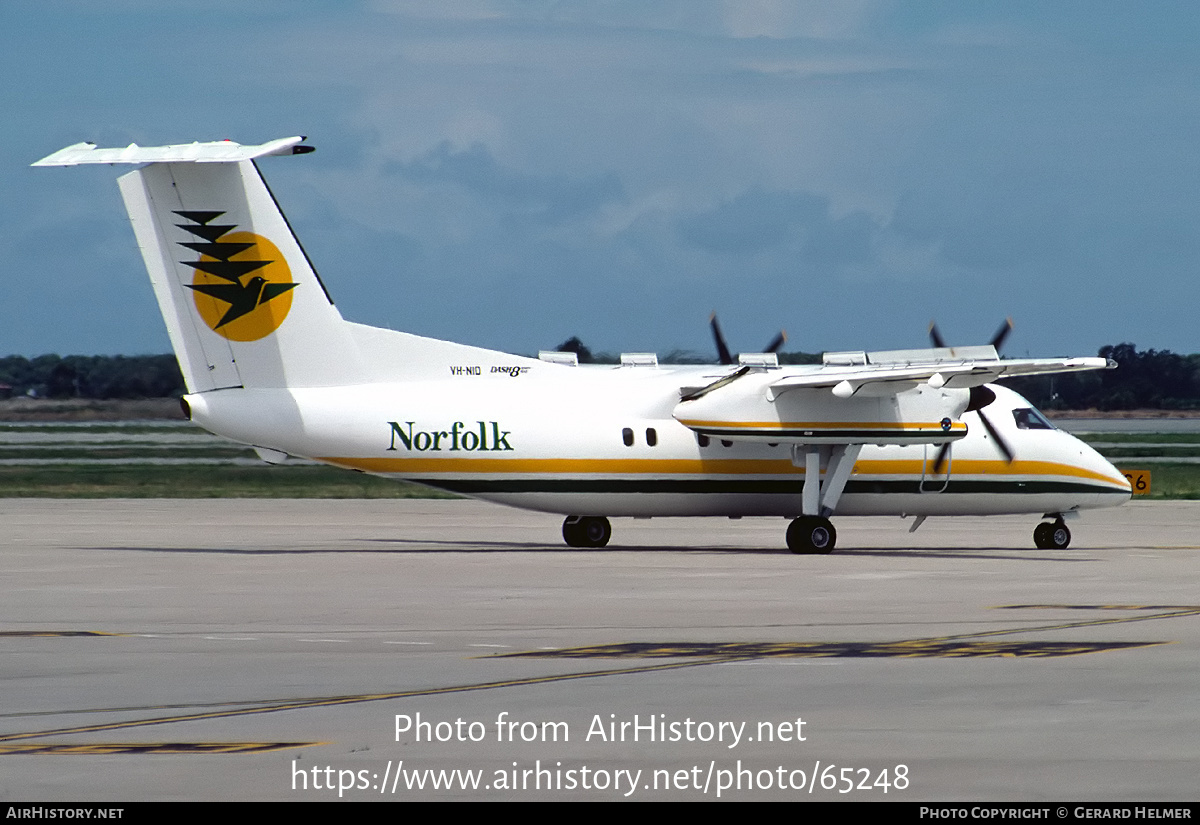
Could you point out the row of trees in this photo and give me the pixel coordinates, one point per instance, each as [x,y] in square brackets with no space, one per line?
[1155,379]
[91,376]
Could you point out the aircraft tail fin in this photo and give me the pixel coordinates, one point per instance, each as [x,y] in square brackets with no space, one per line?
[243,305]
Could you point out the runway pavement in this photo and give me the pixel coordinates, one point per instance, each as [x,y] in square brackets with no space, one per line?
[290,650]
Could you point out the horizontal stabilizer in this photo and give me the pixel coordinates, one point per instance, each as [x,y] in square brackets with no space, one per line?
[217,151]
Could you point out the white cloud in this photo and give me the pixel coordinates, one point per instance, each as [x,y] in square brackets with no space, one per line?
[787,18]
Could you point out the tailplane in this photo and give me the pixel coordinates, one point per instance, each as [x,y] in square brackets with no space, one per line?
[242,303]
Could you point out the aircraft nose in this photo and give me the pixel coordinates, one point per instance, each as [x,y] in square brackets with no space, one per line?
[1118,477]
[1092,463]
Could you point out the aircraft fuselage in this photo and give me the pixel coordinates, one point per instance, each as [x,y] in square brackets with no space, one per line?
[555,439]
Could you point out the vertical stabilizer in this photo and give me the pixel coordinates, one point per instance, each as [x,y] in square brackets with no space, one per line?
[242,304]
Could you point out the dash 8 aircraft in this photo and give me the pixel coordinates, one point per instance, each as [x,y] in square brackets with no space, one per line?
[269,361]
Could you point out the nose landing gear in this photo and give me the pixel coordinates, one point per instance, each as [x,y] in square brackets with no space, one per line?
[1052,535]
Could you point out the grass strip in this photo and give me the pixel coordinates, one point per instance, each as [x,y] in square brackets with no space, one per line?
[1173,481]
[1140,438]
[93,453]
[1182,451]
[200,481]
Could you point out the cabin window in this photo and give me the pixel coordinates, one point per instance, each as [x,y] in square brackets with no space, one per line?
[651,437]
[1031,419]
[725,443]
[627,437]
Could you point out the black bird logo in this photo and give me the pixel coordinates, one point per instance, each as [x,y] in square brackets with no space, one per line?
[242,297]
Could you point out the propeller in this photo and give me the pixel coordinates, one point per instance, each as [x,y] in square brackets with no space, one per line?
[981,396]
[935,336]
[723,353]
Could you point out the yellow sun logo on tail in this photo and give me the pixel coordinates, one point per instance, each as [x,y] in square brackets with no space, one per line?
[242,286]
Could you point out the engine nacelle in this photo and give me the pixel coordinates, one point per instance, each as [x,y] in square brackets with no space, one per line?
[744,411]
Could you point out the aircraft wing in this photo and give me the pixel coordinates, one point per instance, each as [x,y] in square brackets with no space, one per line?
[868,401]
[846,380]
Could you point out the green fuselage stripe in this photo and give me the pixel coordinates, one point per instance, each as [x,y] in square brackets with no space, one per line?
[479,487]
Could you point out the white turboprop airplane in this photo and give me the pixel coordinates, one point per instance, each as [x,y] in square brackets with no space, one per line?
[269,362]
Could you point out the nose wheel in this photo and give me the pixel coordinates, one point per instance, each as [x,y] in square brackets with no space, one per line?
[586,531]
[809,535]
[1052,535]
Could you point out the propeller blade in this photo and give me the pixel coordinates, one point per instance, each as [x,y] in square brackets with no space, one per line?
[723,354]
[942,454]
[776,342]
[998,339]
[1000,442]
[1002,333]
[935,336]
[980,397]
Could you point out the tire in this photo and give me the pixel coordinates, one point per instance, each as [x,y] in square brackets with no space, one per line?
[809,535]
[586,531]
[1052,536]
[571,533]
[1041,536]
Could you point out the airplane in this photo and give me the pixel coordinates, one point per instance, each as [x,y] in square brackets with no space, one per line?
[269,361]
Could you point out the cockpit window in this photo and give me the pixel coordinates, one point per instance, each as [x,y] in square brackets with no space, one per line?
[1030,419]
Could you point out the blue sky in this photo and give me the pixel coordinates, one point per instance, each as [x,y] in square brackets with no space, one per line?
[509,174]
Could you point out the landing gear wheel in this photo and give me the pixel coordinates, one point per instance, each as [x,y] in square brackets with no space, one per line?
[586,531]
[811,535]
[1040,539]
[1052,536]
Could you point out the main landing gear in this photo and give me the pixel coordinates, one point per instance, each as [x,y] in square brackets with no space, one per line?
[1052,535]
[811,535]
[586,531]
[813,532]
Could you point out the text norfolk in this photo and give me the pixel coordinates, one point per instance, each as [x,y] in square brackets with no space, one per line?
[458,438]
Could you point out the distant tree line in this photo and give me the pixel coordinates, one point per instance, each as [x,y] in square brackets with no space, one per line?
[91,376]
[1151,379]
[678,356]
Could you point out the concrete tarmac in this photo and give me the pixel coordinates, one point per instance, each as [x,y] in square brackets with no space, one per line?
[293,650]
